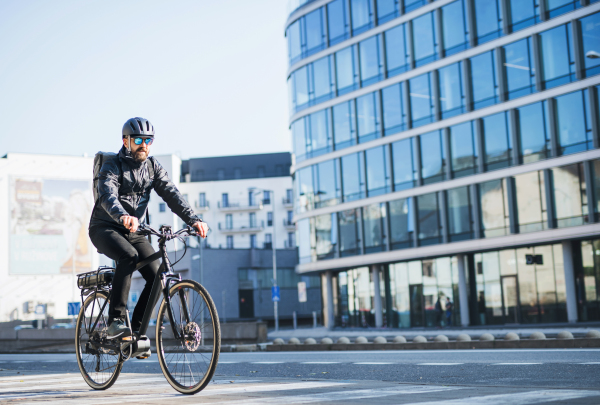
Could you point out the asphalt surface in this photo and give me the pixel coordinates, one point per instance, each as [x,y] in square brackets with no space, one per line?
[523,376]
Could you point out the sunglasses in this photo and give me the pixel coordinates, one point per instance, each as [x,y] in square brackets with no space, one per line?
[138,141]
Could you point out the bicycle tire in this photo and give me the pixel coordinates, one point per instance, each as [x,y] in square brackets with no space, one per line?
[178,357]
[94,367]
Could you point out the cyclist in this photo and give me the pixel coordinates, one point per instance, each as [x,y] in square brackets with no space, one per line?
[124,187]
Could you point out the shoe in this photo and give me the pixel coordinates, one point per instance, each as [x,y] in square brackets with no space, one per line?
[144,355]
[118,329]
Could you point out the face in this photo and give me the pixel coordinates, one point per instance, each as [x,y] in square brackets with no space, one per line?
[139,153]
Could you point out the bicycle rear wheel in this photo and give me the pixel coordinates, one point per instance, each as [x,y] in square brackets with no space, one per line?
[99,367]
[188,362]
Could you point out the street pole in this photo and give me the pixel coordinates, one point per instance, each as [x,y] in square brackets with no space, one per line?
[275,309]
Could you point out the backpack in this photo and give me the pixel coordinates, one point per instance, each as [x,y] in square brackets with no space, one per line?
[102,157]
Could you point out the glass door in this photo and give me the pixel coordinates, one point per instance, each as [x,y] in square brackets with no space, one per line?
[510,299]
[417,314]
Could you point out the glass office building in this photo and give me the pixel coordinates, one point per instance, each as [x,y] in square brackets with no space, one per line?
[446,159]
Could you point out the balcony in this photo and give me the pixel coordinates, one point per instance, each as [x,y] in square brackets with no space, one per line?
[241,227]
[237,206]
[205,206]
[288,202]
[289,225]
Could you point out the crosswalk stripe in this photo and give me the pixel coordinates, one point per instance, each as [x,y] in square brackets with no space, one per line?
[80,384]
[439,364]
[320,362]
[520,398]
[340,395]
[374,363]
[515,364]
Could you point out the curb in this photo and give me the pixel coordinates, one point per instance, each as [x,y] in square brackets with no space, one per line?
[496,344]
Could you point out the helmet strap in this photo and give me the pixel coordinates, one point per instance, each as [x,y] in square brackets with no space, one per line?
[129,144]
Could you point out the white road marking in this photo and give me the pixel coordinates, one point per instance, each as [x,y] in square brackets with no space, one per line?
[340,395]
[439,364]
[268,362]
[515,364]
[80,384]
[591,362]
[373,363]
[520,398]
[320,362]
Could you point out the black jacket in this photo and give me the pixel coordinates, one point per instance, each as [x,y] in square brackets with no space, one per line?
[132,196]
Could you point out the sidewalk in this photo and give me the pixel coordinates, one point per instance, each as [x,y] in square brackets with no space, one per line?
[318,333]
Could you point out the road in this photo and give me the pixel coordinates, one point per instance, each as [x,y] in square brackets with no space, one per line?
[388,377]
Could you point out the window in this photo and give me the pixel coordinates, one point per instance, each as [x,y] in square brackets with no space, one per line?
[371,56]
[402,225]
[252,220]
[328,192]
[574,130]
[596,171]
[344,125]
[322,80]
[484,84]
[304,183]
[531,202]
[404,165]
[493,200]
[374,233]
[455,33]
[253,244]
[353,178]
[428,217]
[362,16]
[497,141]
[315,31]
[570,195]
[524,13]
[534,137]
[367,112]
[489,20]
[396,51]
[221,174]
[452,95]
[299,137]
[320,141]
[225,200]
[410,5]
[261,171]
[251,200]
[424,39]
[346,70]
[307,241]
[378,177]
[294,42]
[266,200]
[268,241]
[162,207]
[288,196]
[338,19]
[519,68]
[269,219]
[590,30]
[463,150]
[349,243]
[557,56]
[557,7]
[202,200]
[228,221]
[229,241]
[421,102]
[237,173]
[460,223]
[326,236]
[291,240]
[290,216]
[387,10]
[433,161]
[300,78]
[394,110]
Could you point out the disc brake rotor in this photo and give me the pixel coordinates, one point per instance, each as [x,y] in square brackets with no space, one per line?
[192,336]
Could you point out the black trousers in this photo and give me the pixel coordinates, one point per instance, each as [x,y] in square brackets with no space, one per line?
[127,249]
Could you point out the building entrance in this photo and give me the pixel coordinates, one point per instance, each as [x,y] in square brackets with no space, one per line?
[246,303]
[510,299]
[417,313]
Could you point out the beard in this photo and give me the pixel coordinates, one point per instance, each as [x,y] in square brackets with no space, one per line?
[139,156]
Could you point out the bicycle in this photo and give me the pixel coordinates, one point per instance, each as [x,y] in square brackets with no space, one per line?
[188,334]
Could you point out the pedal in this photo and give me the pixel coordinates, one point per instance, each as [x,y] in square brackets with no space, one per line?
[127,338]
[144,356]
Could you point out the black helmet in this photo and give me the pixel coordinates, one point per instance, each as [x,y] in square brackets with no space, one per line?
[138,127]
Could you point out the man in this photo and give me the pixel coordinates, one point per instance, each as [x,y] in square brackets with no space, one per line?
[124,187]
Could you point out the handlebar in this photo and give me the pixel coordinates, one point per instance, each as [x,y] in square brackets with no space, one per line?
[167,233]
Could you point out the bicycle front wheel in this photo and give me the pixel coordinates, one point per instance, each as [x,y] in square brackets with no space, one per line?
[189,357]
[99,366]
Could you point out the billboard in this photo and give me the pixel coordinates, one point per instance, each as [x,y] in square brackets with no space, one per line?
[48,226]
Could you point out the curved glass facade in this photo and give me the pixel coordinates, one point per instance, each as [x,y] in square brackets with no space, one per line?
[420,125]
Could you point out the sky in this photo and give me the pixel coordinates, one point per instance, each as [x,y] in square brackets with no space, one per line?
[209,74]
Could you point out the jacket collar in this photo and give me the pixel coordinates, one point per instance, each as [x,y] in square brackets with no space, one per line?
[125,156]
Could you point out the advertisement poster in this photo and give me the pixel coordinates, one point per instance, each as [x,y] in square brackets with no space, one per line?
[48,226]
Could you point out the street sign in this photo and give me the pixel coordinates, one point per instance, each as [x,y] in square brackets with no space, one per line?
[275,293]
[40,309]
[73,308]
[302,291]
